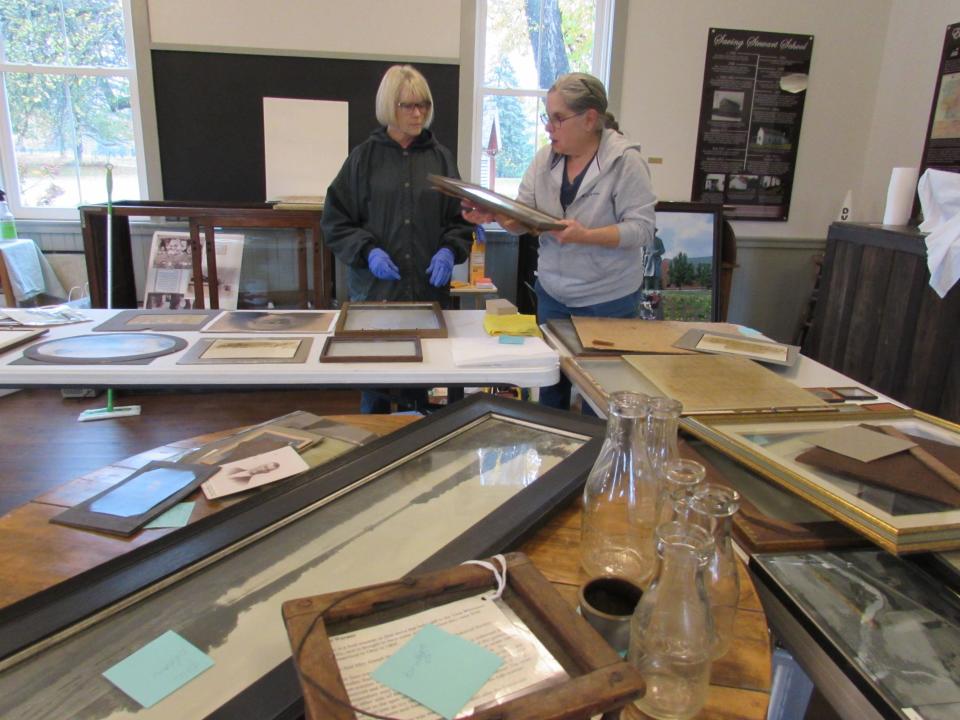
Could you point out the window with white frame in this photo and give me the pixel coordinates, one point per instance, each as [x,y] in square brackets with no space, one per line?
[68,105]
[522,47]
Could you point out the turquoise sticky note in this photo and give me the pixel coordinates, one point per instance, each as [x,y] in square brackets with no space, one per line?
[177,516]
[439,670]
[158,668]
[511,339]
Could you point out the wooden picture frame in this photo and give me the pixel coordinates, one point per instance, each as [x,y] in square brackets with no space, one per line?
[495,202]
[600,680]
[200,352]
[104,349]
[17,336]
[371,350]
[171,320]
[282,532]
[368,320]
[770,443]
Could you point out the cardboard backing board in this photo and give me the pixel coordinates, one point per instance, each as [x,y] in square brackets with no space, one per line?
[639,336]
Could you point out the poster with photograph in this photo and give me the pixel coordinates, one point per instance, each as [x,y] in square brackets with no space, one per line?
[754,86]
[169,283]
[942,148]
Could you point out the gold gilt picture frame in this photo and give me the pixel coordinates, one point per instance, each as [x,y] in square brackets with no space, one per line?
[898,519]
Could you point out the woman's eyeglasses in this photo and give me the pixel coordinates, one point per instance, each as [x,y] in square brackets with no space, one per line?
[423,107]
[556,121]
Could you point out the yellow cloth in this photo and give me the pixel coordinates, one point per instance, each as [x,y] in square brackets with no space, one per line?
[511,325]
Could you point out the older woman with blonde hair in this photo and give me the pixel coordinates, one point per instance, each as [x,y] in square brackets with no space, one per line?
[398,238]
[596,180]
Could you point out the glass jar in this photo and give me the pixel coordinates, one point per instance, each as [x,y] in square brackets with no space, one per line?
[681,478]
[712,507]
[671,629]
[619,498]
[661,434]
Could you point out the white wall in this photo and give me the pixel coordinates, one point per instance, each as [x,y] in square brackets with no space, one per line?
[908,77]
[663,80]
[404,29]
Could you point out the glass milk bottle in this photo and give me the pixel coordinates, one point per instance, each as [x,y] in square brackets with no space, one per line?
[619,498]
[680,481]
[671,629]
[712,507]
[662,423]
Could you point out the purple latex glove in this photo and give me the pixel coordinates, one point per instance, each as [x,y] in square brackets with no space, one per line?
[441,267]
[382,266]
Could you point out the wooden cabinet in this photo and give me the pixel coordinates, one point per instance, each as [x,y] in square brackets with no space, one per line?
[203,218]
[878,320]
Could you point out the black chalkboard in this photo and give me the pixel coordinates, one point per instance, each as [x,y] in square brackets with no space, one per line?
[210,113]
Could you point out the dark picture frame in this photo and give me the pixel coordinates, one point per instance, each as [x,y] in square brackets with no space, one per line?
[351,310]
[496,203]
[84,515]
[696,230]
[276,694]
[387,348]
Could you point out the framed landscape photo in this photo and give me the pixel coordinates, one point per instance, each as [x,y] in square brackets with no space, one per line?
[221,351]
[896,501]
[683,266]
[391,319]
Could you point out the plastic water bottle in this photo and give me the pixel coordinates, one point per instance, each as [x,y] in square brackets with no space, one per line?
[8,227]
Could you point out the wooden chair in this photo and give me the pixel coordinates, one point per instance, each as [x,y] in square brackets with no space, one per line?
[10,300]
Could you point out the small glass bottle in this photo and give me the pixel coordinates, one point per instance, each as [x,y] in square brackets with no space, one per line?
[671,628]
[681,478]
[619,498]
[661,434]
[712,507]
[8,225]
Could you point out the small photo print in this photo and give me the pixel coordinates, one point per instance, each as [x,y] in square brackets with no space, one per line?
[254,471]
[727,106]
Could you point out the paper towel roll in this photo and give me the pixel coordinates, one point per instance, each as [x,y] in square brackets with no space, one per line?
[900,194]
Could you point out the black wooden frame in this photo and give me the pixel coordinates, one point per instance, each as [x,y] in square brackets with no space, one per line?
[277,694]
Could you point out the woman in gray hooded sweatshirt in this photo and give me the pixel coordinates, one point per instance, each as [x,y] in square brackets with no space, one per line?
[597,182]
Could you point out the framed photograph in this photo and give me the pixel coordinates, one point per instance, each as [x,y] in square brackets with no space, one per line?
[272,321]
[223,351]
[391,319]
[765,351]
[104,349]
[125,507]
[526,621]
[682,268]
[11,338]
[354,350]
[127,320]
[902,507]
[496,203]
[466,482]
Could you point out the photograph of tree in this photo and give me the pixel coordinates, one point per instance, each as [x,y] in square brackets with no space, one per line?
[686,266]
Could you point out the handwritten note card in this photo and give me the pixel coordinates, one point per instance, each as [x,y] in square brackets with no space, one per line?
[438,670]
[158,668]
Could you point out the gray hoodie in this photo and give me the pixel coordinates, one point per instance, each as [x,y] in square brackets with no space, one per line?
[615,191]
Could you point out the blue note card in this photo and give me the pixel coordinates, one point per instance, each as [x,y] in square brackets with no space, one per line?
[511,339]
[175,517]
[158,668]
[439,670]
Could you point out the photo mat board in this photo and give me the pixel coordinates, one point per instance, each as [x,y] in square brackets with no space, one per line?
[135,320]
[226,351]
[898,522]
[490,469]
[581,652]
[272,321]
[104,349]
[391,319]
[131,503]
[765,351]
[354,350]
[12,338]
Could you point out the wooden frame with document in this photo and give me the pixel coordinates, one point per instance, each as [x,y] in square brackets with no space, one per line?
[468,481]
[421,319]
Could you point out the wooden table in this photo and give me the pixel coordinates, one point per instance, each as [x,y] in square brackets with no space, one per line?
[36,554]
